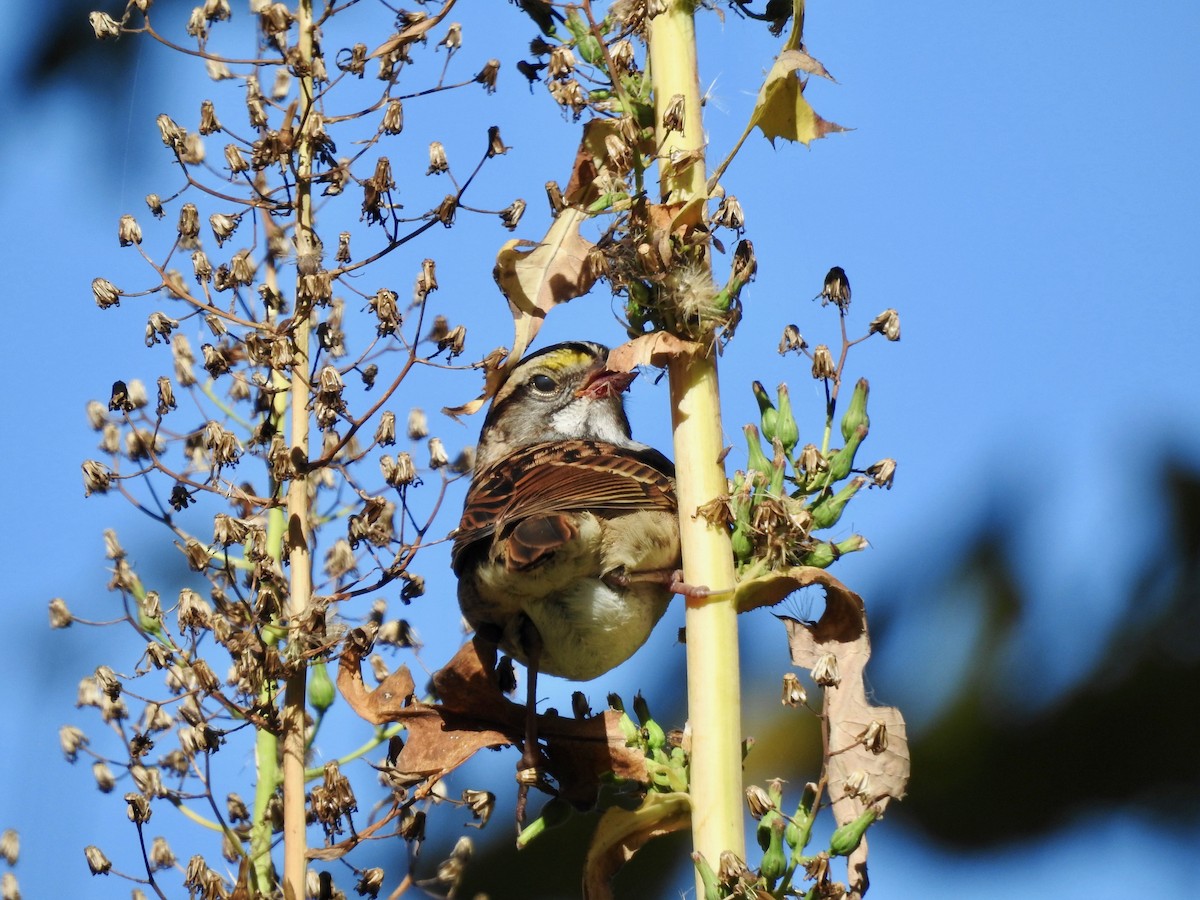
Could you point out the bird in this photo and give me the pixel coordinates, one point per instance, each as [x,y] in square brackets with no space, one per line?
[567,553]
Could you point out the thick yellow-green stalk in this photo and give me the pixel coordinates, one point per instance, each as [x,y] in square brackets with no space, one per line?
[714,699]
[299,533]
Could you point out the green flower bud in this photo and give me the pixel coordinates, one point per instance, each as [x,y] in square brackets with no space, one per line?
[856,415]
[767,410]
[842,462]
[827,512]
[774,861]
[755,459]
[762,832]
[846,838]
[787,430]
[778,470]
[708,878]
[585,42]
[321,692]
[826,553]
[800,827]
[743,546]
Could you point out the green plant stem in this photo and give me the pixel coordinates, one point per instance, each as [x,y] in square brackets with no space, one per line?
[714,693]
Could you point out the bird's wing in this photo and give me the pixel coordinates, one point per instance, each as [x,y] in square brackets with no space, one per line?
[547,480]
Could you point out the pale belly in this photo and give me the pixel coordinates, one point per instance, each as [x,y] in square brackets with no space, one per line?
[587,626]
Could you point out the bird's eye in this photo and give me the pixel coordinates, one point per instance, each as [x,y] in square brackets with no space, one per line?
[543,383]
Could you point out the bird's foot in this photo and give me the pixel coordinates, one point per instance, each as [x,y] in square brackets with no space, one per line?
[671,578]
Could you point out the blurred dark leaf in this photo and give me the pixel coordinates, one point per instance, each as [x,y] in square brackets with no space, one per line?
[1126,736]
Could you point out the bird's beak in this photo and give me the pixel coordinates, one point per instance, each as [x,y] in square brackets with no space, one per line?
[602,382]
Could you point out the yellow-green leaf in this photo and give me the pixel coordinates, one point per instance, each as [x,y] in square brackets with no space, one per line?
[781,110]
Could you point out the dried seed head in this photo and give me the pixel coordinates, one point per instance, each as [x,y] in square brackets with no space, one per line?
[858,784]
[191,153]
[217,70]
[554,195]
[495,142]
[453,39]
[60,616]
[836,289]
[97,414]
[201,268]
[208,118]
[385,432]
[10,846]
[758,801]
[511,216]
[161,855]
[427,281]
[154,203]
[454,340]
[569,95]
[96,860]
[104,27]
[446,210]
[105,779]
[674,118]
[887,323]
[437,454]
[393,118]
[793,692]
[282,85]
[882,473]
[159,327]
[70,740]
[488,74]
[481,804]
[97,477]
[217,10]
[106,293]
[874,737]
[825,672]
[729,214]
[242,267]
[418,424]
[562,62]
[189,226]
[128,231]
[437,159]
[414,585]
[822,363]
[620,155]
[223,227]
[181,351]
[137,808]
[387,311]
[622,55]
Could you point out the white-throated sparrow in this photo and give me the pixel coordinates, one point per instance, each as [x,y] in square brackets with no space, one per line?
[568,549]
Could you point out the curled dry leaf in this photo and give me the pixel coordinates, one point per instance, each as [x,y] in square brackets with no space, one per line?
[412,33]
[472,714]
[656,349]
[864,740]
[781,110]
[622,832]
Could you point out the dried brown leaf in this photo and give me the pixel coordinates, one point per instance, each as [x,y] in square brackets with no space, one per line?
[655,349]
[472,714]
[620,833]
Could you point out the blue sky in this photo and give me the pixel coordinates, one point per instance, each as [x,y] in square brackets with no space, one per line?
[1020,184]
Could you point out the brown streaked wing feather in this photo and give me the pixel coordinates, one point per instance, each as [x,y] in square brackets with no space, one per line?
[545,479]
